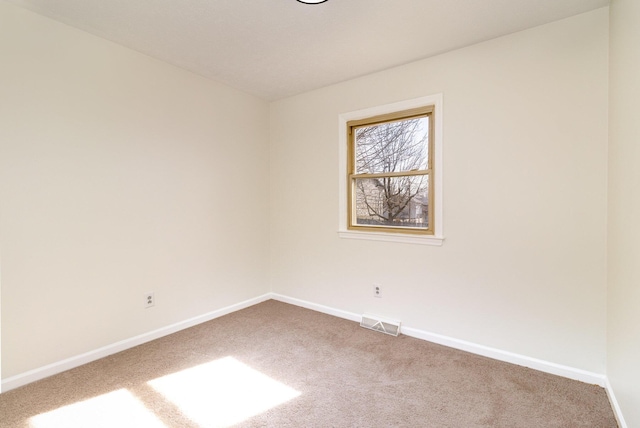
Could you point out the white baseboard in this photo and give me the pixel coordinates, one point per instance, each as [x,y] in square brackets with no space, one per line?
[614,404]
[70,363]
[474,348]
[509,357]
[316,307]
[497,354]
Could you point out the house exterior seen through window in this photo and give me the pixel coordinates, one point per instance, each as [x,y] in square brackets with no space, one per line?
[390,172]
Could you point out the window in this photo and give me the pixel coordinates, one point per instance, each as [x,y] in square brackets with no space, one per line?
[392,188]
[390,168]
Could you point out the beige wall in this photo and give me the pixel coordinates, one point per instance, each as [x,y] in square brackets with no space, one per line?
[523,265]
[623,335]
[119,175]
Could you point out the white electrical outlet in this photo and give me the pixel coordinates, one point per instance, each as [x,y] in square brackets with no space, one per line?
[149,300]
[377,290]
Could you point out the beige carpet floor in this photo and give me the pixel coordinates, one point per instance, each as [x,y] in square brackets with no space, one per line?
[277,365]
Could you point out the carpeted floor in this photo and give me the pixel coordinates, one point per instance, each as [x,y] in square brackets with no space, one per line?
[277,365]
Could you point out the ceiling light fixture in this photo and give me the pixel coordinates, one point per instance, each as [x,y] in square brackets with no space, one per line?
[312,1]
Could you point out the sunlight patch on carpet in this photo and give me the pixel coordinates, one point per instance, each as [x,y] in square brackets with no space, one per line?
[223,392]
[115,409]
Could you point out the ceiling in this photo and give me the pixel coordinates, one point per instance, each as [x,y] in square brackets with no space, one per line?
[278,48]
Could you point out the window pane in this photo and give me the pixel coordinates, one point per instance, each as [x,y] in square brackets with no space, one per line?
[392,147]
[392,201]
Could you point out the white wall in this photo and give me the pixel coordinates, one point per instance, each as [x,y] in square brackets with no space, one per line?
[623,338]
[523,265]
[119,175]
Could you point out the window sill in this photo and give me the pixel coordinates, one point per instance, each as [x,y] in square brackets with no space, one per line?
[392,237]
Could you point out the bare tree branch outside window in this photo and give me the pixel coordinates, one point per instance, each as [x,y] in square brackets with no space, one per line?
[392,173]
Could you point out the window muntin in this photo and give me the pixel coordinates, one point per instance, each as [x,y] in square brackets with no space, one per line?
[390,172]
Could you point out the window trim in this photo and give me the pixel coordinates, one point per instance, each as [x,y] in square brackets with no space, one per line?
[405,236]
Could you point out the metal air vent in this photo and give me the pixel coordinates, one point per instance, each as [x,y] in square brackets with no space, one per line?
[383,325]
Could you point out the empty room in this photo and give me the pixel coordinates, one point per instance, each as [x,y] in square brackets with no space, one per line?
[346,213]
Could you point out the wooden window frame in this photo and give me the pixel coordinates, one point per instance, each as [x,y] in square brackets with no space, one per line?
[427,111]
